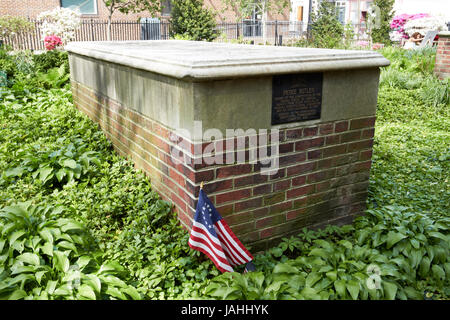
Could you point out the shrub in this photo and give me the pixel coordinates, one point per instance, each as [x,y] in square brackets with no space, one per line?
[327,31]
[189,20]
[380,33]
[11,26]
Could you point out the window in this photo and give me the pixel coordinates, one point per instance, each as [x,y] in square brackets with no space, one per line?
[340,11]
[166,8]
[85,6]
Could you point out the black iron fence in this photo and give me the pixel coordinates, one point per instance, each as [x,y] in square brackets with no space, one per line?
[248,31]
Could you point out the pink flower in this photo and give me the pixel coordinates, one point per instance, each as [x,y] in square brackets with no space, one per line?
[51,42]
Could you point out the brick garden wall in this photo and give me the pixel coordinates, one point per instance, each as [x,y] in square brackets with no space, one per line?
[322,178]
[442,66]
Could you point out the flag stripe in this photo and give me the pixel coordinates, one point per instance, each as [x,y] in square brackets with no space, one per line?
[206,250]
[231,257]
[229,250]
[198,227]
[235,241]
[242,256]
[206,239]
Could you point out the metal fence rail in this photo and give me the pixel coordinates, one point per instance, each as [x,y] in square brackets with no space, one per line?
[248,31]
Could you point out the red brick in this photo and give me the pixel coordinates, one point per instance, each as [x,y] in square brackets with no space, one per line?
[274,198]
[309,143]
[282,185]
[294,134]
[365,155]
[315,154]
[335,139]
[326,128]
[294,193]
[280,207]
[233,170]
[248,204]
[362,123]
[360,145]
[341,126]
[294,214]
[334,150]
[217,186]
[250,180]
[361,166]
[321,175]
[286,147]
[270,221]
[311,131]
[298,181]
[232,196]
[368,133]
[301,168]
[292,158]
[264,189]
[350,136]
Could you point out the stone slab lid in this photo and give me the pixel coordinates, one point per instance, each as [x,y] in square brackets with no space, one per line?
[196,60]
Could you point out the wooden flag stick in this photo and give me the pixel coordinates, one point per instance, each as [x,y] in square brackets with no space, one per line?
[201,185]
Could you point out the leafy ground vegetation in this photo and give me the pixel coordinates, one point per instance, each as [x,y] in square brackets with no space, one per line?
[79,222]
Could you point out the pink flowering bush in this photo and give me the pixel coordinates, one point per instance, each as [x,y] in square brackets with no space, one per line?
[398,22]
[51,42]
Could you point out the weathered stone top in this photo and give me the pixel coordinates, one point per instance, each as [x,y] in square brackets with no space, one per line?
[205,60]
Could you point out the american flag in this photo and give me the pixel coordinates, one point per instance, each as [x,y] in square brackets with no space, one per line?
[211,235]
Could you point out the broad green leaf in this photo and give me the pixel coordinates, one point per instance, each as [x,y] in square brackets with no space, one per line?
[393,238]
[47,248]
[15,235]
[46,235]
[116,293]
[14,172]
[29,258]
[332,275]
[39,275]
[61,262]
[132,292]
[86,292]
[70,163]
[438,272]
[18,294]
[390,290]
[438,235]
[60,174]
[319,253]
[94,282]
[285,268]
[45,174]
[353,288]
[312,278]
[340,286]
[67,245]
[71,225]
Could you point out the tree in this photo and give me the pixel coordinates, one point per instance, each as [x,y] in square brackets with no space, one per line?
[126,6]
[327,31]
[246,8]
[190,20]
[384,12]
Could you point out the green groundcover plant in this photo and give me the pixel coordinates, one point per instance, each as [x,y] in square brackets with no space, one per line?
[79,222]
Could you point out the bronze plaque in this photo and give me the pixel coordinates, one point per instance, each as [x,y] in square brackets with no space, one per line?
[296,97]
